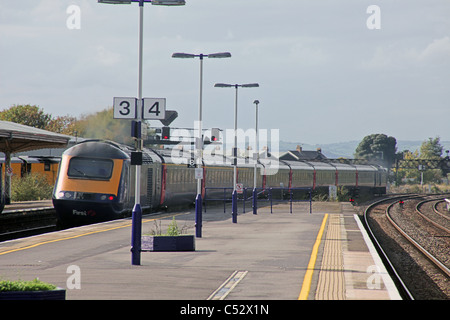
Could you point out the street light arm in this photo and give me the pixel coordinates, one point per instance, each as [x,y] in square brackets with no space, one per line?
[219,55]
[183,55]
[168,2]
[223,85]
[250,85]
[154,2]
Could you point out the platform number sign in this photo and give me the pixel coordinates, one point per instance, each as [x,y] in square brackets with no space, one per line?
[124,108]
[154,108]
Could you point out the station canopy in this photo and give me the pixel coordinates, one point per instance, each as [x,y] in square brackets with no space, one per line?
[16,137]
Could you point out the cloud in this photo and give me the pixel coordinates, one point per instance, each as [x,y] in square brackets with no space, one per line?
[106,57]
[436,53]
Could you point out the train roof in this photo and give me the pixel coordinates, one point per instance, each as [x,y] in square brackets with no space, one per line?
[98,149]
[109,149]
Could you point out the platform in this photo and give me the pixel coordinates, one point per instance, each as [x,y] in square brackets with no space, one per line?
[279,256]
[23,206]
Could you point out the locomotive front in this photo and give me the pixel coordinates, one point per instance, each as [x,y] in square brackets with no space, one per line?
[92,183]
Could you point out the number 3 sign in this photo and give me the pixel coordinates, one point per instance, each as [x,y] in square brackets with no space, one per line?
[125,108]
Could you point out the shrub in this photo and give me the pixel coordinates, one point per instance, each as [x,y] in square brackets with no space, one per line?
[33,186]
[21,285]
[172,229]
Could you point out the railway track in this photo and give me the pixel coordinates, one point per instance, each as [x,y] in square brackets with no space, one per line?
[27,222]
[414,240]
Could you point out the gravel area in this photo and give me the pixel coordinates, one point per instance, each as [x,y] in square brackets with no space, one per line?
[420,276]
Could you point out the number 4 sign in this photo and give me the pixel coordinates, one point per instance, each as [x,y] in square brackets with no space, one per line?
[154,108]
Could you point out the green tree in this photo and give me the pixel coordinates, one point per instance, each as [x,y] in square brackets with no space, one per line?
[63,124]
[28,115]
[431,149]
[377,146]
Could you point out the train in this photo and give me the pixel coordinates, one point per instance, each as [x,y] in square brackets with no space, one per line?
[22,165]
[95,180]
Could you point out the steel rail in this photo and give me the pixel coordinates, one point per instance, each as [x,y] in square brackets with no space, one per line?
[427,254]
[401,286]
[435,208]
[434,223]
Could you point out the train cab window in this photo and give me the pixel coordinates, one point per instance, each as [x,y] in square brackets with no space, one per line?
[90,168]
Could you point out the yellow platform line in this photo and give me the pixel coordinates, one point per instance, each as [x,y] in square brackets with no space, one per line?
[80,235]
[306,286]
[331,284]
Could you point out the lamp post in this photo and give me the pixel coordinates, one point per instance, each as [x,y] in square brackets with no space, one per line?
[199,144]
[255,193]
[256,102]
[234,157]
[136,226]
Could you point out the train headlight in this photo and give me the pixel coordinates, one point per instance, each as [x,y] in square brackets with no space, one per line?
[65,195]
[68,195]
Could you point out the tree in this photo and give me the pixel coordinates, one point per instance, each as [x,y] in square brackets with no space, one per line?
[102,125]
[377,146]
[431,149]
[63,124]
[28,115]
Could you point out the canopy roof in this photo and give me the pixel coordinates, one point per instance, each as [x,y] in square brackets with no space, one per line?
[16,137]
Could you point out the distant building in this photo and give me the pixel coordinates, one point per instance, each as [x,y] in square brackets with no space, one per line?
[299,154]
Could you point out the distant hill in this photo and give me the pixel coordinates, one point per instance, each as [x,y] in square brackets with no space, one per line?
[346,149]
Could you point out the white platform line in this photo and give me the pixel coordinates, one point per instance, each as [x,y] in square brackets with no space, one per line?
[390,286]
[225,288]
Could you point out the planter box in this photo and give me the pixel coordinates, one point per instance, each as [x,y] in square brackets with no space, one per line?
[168,243]
[57,294]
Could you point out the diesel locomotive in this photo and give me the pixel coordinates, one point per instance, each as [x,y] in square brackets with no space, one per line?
[95,181]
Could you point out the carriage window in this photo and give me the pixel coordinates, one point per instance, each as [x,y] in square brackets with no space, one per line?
[90,168]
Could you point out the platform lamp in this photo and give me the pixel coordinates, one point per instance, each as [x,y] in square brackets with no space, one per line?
[255,193]
[136,227]
[199,142]
[234,156]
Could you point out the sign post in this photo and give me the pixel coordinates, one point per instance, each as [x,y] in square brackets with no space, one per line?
[138,109]
[125,109]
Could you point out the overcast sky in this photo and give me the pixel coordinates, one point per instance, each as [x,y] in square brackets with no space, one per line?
[324,75]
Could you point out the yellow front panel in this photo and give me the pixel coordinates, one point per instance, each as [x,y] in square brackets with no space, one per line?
[87,185]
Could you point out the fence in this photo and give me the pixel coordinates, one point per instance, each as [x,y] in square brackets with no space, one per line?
[255,195]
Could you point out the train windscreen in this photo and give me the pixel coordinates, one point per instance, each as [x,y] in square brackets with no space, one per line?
[90,168]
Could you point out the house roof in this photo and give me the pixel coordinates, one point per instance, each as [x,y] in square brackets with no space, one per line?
[297,155]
